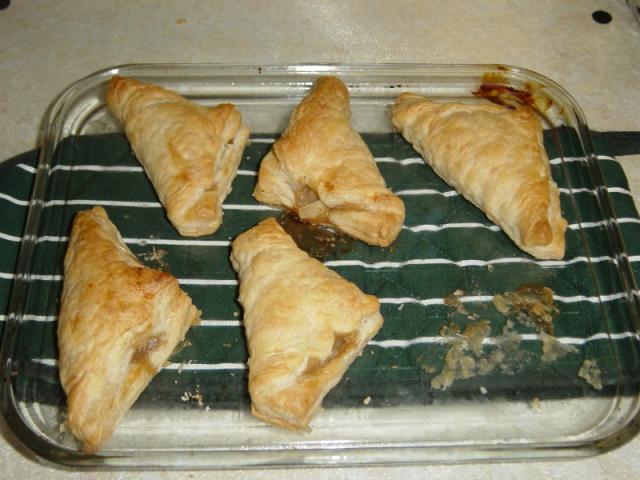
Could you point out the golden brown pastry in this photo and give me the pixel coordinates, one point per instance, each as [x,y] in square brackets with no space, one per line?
[495,158]
[322,170]
[119,322]
[304,324]
[189,152]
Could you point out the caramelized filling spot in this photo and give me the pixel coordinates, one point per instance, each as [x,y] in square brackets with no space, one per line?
[305,196]
[341,344]
[141,354]
[319,241]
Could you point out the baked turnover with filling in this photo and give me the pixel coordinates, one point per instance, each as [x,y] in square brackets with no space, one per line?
[119,322]
[322,171]
[304,324]
[189,152]
[495,158]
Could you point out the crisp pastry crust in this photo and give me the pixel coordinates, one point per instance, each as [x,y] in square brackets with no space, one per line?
[321,169]
[304,324]
[189,152]
[119,322]
[493,156]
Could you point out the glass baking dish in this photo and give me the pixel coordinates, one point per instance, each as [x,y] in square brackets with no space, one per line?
[440,276]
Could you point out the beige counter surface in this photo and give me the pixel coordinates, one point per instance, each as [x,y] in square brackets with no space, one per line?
[46,45]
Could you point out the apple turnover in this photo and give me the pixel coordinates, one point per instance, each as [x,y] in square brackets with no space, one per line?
[189,152]
[304,323]
[495,158]
[322,171]
[119,322]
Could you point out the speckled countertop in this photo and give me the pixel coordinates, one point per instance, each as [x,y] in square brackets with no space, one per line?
[46,45]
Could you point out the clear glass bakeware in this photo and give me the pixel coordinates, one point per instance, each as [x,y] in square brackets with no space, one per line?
[385,411]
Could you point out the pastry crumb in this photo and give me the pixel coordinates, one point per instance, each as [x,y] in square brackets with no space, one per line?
[155,255]
[459,363]
[530,304]
[196,397]
[449,330]
[366,400]
[183,364]
[226,345]
[181,21]
[466,357]
[199,399]
[536,404]
[483,390]
[236,314]
[489,267]
[552,349]
[453,300]
[590,373]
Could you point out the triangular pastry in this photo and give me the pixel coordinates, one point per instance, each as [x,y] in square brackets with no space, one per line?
[321,170]
[119,322]
[189,152]
[495,158]
[304,324]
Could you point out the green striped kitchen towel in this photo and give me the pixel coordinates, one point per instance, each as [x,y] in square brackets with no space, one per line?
[446,245]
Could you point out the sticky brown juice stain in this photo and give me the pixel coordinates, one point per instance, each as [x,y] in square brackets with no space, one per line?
[319,241]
